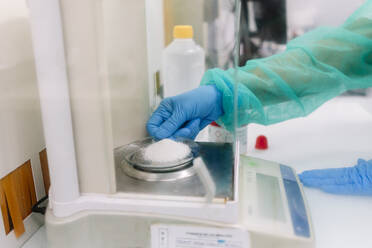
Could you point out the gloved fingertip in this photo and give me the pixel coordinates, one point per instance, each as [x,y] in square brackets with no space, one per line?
[308,181]
[361,161]
[184,133]
[151,129]
[300,176]
[321,173]
[194,136]
[194,128]
[194,124]
[161,134]
[305,181]
[308,173]
[304,177]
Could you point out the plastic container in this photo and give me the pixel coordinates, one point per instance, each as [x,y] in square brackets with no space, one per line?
[183,63]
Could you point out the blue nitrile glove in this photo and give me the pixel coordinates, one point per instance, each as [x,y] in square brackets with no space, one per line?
[186,114]
[356,180]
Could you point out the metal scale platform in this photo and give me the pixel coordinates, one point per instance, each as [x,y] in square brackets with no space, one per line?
[219,161]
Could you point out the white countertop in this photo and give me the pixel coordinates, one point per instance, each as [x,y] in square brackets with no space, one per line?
[335,135]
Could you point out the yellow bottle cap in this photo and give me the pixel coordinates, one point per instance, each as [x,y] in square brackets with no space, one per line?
[182,32]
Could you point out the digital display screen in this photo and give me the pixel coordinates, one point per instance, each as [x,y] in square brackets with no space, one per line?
[270,202]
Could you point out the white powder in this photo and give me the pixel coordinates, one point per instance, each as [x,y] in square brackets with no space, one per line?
[166,150]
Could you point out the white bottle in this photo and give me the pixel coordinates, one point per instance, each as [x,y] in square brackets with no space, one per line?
[183,63]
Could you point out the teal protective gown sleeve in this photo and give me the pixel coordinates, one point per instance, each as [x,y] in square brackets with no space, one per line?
[314,68]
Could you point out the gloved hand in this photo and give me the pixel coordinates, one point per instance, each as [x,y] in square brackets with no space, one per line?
[186,114]
[356,180]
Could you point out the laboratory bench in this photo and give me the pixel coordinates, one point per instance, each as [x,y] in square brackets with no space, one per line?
[335,135]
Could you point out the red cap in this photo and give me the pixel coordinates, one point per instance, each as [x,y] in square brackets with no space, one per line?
[261,143]
[215,124]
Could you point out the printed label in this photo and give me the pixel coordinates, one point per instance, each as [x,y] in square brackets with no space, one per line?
[175,236]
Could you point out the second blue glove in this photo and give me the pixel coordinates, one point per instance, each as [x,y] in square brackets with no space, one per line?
[356,180]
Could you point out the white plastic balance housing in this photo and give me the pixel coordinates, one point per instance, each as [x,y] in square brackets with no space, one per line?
[67,202]
[54,98]
[65,198]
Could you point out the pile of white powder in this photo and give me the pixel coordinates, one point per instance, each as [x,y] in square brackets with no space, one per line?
[166,150]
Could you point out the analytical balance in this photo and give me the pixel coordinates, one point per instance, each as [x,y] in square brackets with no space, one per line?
[96,65]
[194,206]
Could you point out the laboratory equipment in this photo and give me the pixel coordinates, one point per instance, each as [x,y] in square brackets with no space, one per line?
[96,84]
[269,210]
[183,63]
